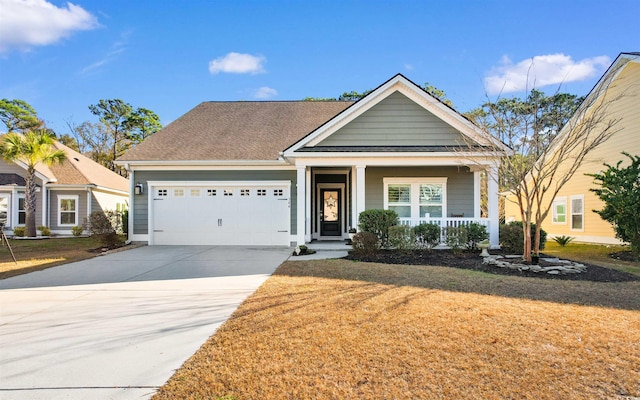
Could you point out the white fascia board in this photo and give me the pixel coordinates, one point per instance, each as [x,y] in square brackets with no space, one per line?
[392,161]
[413,92]
[39,175]
[280,167]
[110,190]
[202,163]
[70,187]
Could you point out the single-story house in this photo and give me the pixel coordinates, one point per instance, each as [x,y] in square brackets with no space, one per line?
[572,209]
[283,172]
[66,193]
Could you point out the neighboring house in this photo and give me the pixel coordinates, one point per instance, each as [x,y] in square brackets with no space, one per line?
[282,172]
[572,210]
[66,193]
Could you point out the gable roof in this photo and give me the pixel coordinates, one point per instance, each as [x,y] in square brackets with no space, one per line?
[76,169]
[398,84]
[246,130]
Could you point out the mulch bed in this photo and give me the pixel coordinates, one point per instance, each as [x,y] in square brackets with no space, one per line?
[473,261]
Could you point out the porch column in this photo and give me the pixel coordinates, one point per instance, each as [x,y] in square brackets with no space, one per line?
[307,237]
[477,190]
[492,206]
[353,201]
[360,185]
[301,184]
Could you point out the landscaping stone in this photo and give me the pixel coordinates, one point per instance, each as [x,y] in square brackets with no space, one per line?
[564,266]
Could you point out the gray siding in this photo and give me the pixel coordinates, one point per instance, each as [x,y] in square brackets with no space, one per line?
[395,121]
[53,207]
[11,168]
[459,185]
[141,206]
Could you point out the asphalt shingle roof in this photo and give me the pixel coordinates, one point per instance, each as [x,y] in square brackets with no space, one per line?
[251,130]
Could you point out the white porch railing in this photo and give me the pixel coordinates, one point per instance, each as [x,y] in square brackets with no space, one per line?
[445,223]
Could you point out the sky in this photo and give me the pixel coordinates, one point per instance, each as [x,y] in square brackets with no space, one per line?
[170,55]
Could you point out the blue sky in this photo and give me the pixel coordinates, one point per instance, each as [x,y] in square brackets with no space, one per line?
[169,56]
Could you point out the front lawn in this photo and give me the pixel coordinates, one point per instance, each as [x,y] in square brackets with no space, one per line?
[331,329]
[38,254]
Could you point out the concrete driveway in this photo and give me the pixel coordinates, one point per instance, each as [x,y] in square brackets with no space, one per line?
[118,326]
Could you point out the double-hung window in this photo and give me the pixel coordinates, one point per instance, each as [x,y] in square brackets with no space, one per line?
[22,211]
[67,210]
[416,197]
[577,213]
[559,210]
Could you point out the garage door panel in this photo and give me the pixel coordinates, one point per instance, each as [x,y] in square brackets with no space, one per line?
[221,215]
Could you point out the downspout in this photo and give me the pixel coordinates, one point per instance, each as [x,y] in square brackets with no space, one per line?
[45,204]
[88,204]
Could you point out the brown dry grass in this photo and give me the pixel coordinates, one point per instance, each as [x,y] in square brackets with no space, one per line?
[339,329]
[36,255]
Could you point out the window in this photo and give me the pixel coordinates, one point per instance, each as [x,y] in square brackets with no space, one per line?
[278,192]
[162,192]
[559,210]
[22,213]
[262,192]
[228,192]
[211,192]
[178,192]
[245,192]
[68,210]
[400,199]
[416,197]
[195,192]
[577,213]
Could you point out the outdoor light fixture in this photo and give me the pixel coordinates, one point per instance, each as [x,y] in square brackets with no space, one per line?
[138,189]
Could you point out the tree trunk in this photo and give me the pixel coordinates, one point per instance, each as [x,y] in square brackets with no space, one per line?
[526,230]
[30,203]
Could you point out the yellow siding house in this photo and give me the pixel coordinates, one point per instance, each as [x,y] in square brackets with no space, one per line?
[572,210]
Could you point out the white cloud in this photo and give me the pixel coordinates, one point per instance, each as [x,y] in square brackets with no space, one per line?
[237,63]
[27,23]
[265,93]
[540,71]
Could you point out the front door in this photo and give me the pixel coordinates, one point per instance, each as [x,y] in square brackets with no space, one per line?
[330,212]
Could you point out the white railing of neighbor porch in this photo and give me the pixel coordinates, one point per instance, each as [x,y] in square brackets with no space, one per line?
[445,223]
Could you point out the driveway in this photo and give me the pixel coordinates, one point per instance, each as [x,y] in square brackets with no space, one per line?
[118,326]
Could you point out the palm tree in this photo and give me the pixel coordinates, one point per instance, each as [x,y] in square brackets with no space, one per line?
[31,147]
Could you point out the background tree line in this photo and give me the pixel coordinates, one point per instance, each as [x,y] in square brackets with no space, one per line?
[119,127]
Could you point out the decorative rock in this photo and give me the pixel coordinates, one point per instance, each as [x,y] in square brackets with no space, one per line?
[553,272]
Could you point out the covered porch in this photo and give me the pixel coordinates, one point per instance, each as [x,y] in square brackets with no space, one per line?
[330,198]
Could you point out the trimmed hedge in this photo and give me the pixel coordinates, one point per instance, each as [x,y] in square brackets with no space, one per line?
[378,222]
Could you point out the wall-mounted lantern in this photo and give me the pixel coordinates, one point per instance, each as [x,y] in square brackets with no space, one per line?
[139,188]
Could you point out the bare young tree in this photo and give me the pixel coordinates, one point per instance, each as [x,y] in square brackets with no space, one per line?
[549,138]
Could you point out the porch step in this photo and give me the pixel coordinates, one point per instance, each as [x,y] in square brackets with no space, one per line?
[329,245]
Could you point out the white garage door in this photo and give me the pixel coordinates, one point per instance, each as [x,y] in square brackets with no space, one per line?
[221,214]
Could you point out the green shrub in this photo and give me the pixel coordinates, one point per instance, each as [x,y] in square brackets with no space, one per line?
[427,235]
[401,237]
[476,233]
[19,231]
[512,239]
[456,237]
[378,222]
[563,240]
[365,243]
[77,230]
[124,217]
[103,226]
[44,230]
